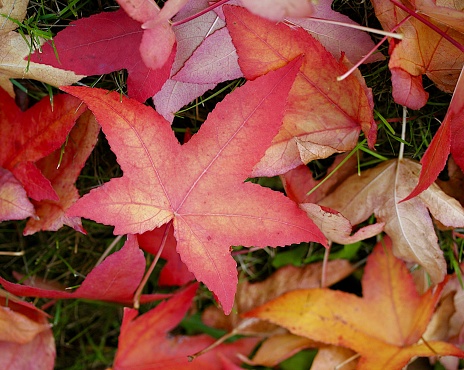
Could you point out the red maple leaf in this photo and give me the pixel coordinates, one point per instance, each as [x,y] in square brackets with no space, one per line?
[140,335]
[31,135]
[199,185]
[93,46]
[448,138]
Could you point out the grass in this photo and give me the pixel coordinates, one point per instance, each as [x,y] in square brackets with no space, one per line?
[86,332]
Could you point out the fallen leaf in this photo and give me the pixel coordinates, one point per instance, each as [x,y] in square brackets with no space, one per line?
[26,338]
[198,185]
[323,116]
[14,48]
[421,51]
[62,169]
[384,326]
[455,182]
[285,279]
[449,137]
[31,135]
[380,190]
[115,279]
[139,335]
[14,203]
[175,272]
[92,46]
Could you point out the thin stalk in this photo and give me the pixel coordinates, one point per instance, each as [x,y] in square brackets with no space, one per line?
[352,69]
[142,284]
[403,133]
[355,26]
[108,250]
[324,265]
[200,13]
[429,24]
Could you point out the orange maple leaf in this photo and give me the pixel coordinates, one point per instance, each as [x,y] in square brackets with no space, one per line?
[384,327]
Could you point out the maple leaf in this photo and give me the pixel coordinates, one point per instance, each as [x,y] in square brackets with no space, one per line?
[62,169]
[31,135]
[198,185]
[421,51]
[92,46]
[323,116]
[14,48]
[14,203]
[26,339]
[449,137]
[380,190]
[174,272]
[384,326]
[115,279]
[139,335]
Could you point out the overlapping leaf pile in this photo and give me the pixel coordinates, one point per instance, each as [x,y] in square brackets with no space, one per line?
[190,203]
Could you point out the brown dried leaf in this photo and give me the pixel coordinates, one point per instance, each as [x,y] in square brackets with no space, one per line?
[379,190]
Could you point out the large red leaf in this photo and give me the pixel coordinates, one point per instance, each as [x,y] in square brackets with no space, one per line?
[31,135]
[198,185]
[115,279]
[141,335]
[62,169]
[385,326]
[449,137]
[324,116]
[92,46]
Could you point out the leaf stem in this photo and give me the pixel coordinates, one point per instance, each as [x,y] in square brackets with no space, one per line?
[403,133]
[429,24]
[142,284]
[324,265]
[352,69]
[200,13]
[398,36]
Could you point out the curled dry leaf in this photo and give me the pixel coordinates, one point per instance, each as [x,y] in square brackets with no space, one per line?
[422,50]
[384,327]
[323,116]
[14,48]
[380,190]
